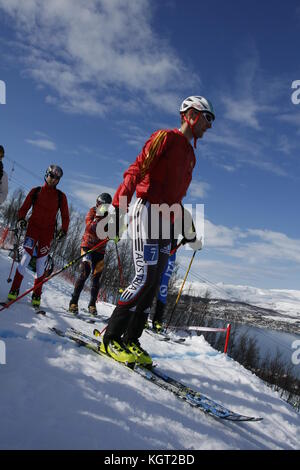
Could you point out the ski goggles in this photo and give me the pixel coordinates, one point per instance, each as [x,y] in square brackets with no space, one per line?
[53,175]
[208,116]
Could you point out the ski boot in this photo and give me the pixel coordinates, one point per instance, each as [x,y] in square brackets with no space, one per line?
[141,356]
[157,327]
[118,351]
[73,308]
[92,310]
[13,294]
[35,300]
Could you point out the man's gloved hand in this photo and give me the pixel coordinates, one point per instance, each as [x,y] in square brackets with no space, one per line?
[21,224]
[196,244]
[189,232]
[1,170]
[61,234]
[116,224]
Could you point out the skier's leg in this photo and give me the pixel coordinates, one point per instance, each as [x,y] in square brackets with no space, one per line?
[97,268]
[40,270]
[28,247]
[163,291]
[144,273]
[43,248]
[84,272]
[138,319]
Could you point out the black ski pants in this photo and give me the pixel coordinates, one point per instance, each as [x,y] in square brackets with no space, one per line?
[150,255]
[92,262]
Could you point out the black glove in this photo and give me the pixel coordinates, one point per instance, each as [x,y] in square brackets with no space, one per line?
[1,170]
[21,224]
[61,234]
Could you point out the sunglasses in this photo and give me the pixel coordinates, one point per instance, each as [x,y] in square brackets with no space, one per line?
[53,175]
[209,117]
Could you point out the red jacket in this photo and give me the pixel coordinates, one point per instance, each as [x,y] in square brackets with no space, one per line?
[162,172]
[45,209]
[90,239]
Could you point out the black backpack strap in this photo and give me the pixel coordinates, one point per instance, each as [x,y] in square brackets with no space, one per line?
[60,195]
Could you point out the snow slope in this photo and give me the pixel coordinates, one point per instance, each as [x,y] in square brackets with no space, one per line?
[54,395]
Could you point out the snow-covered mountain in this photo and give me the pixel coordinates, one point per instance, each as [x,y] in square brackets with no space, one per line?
[54,395]
[284,303]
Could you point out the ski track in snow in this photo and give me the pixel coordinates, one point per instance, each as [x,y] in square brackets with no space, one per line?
[56,395]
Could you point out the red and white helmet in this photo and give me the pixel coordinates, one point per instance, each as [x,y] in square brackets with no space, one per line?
[199,103]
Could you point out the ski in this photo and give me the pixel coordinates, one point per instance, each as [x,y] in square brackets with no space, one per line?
[91,319]
[37,310]
[162,380]
[163,336]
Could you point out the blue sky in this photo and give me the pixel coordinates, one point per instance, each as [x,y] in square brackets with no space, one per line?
[88,82]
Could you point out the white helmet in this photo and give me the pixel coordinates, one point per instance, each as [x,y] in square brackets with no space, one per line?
[197,102]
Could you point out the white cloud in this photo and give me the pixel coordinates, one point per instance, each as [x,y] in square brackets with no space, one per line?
[199,189]
[44,144]
[217,236]
[87,193]
[252,94]
[89,53]
[252,245]
[251,256]
[291,118]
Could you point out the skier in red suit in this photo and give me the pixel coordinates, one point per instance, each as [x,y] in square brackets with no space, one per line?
[160,175]
[45,202]
[92,262]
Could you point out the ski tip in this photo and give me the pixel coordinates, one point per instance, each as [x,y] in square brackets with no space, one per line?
[40,312]
[236,418]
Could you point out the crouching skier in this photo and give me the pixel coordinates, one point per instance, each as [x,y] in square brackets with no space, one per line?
[92,262]
[45,202]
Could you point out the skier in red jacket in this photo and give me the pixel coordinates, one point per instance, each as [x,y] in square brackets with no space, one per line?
[45,202]
[92,262]
[160,175]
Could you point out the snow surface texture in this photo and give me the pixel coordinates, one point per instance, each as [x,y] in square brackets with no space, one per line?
[55,395]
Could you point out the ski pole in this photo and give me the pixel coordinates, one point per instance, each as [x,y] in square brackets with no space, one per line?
[176,247]
[96,332]
[16,247]
[43,281]
[180,290]
[120,270]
